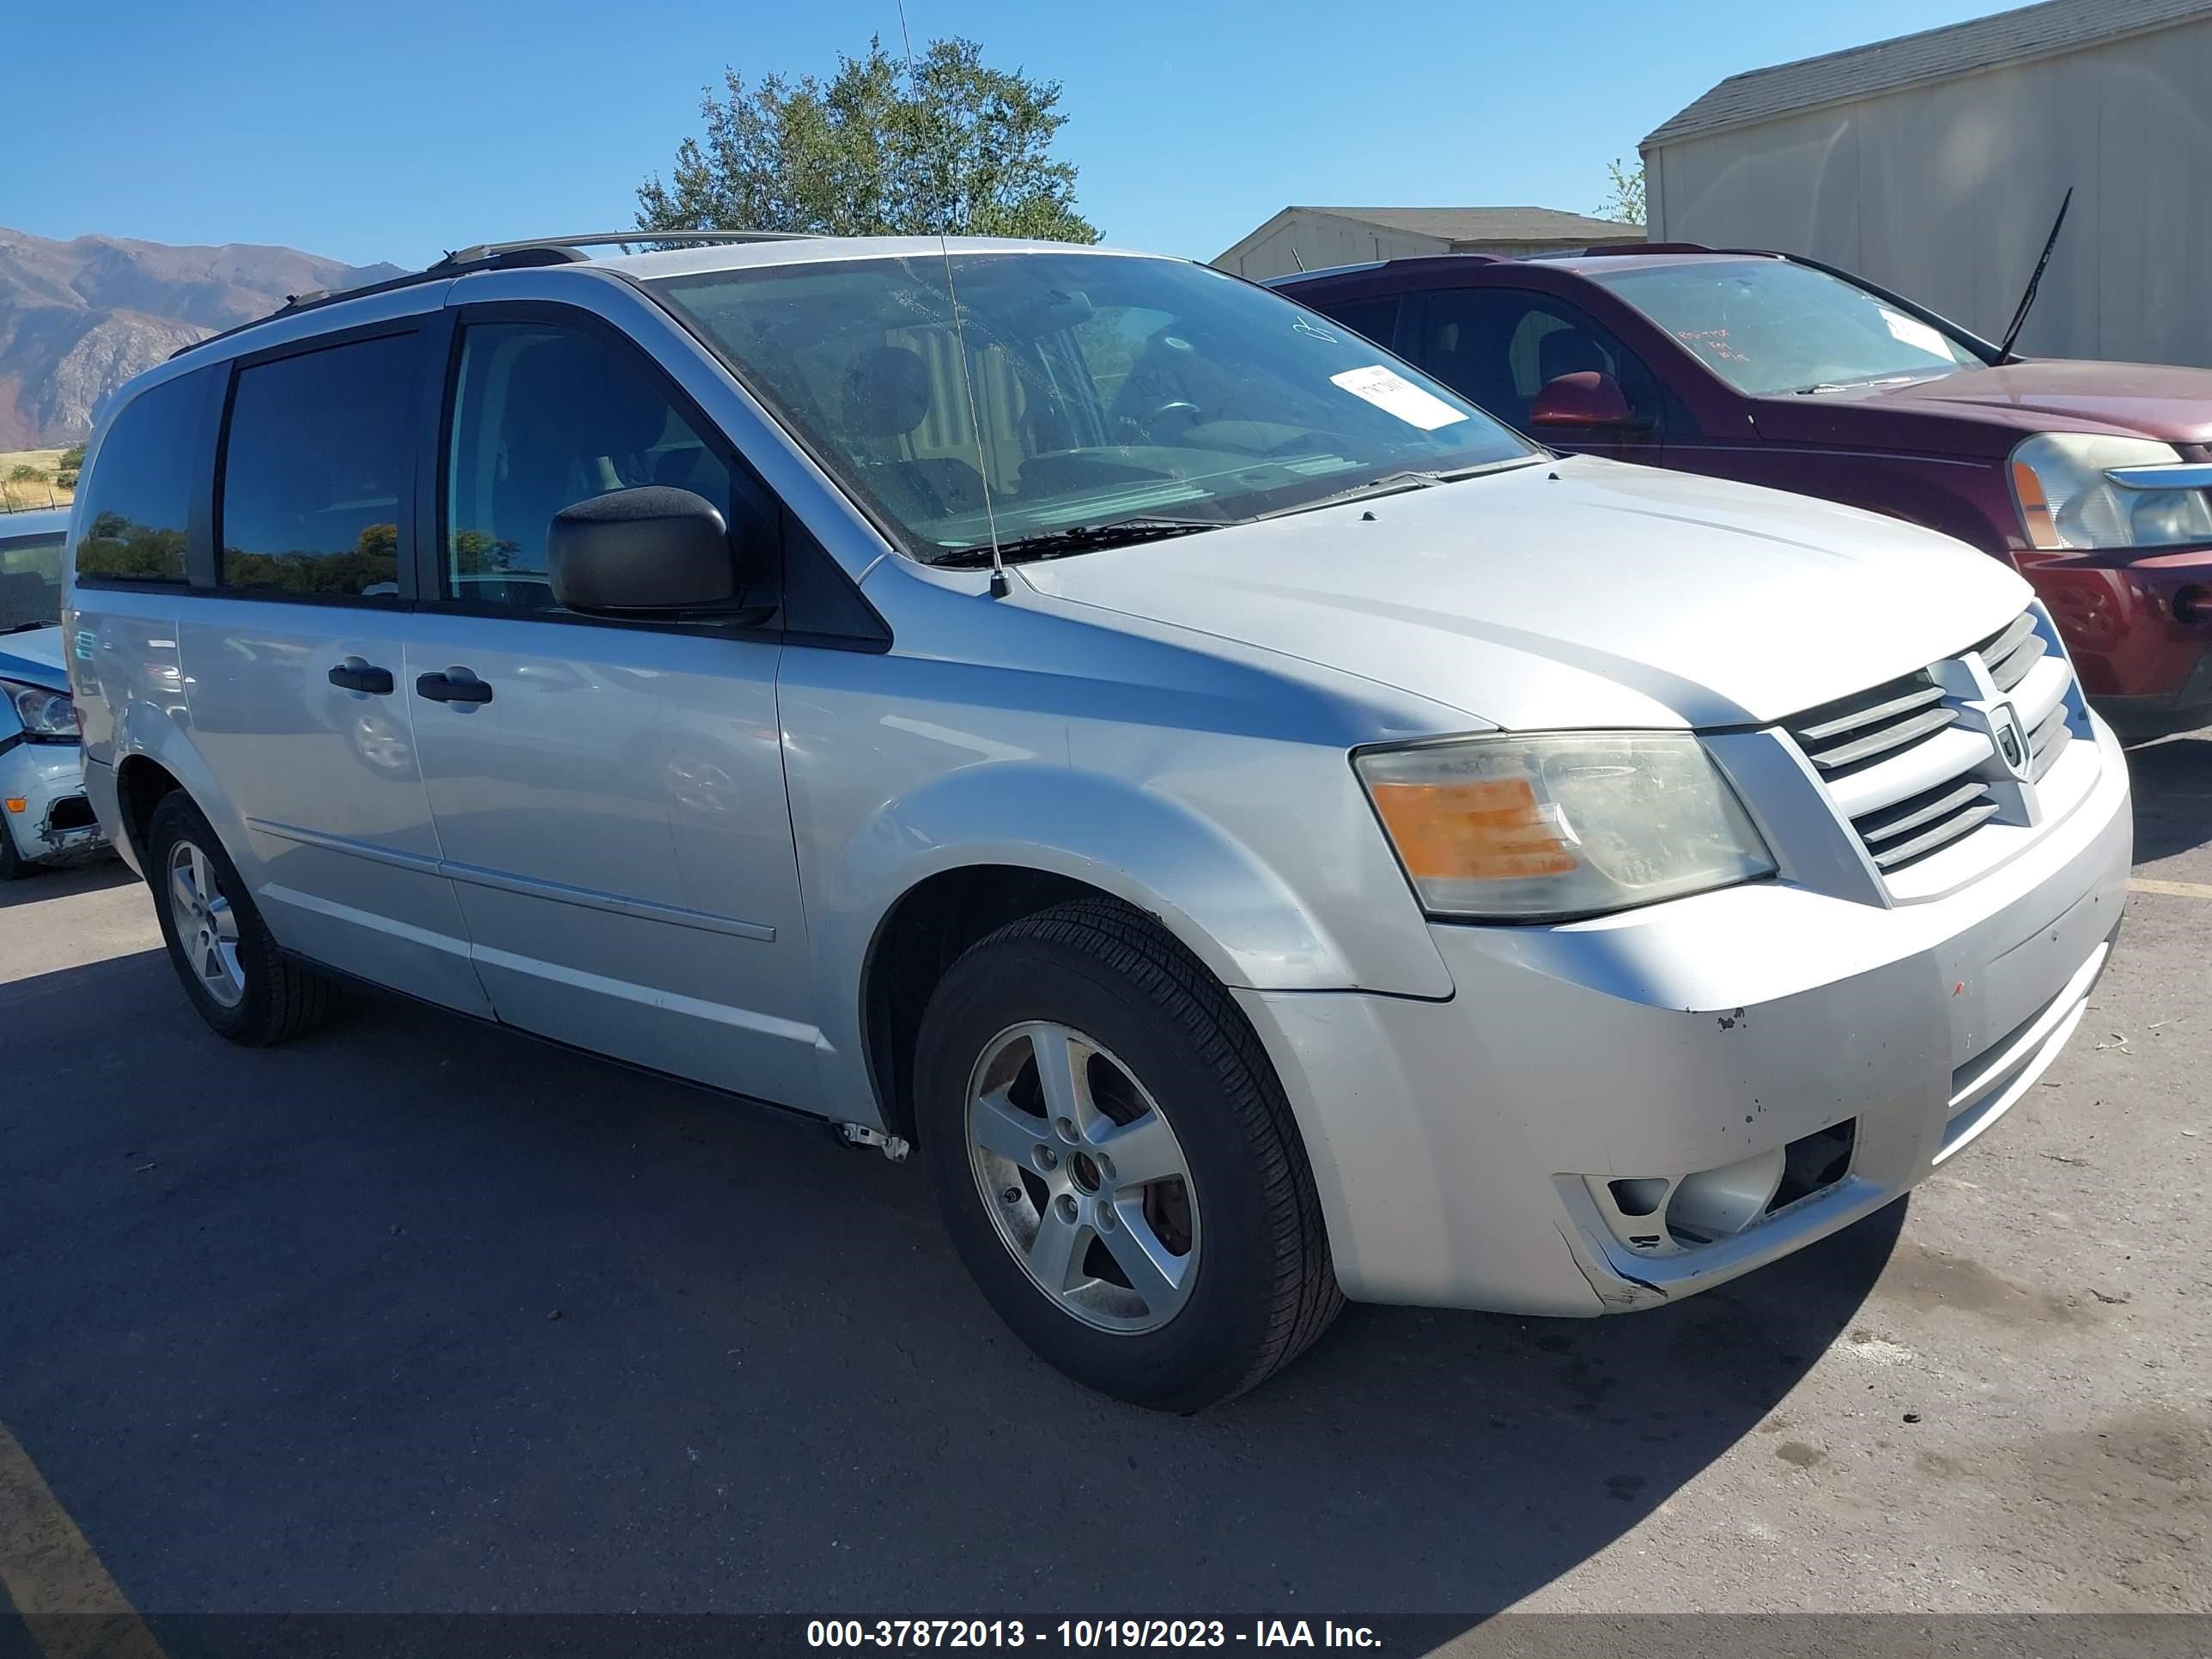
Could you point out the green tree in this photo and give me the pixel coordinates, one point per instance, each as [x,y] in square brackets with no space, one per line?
[1626,204]
[71,464]
[954,146]
[24,472]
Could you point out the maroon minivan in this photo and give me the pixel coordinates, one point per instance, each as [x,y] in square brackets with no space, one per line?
[2094,479]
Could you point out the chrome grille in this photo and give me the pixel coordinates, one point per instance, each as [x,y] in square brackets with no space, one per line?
[1899,763]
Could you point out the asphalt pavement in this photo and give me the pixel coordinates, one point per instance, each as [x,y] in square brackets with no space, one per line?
[419,1316]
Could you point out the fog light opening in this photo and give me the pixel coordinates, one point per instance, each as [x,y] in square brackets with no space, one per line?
[2193,604]
[1639,1197]
[1814,1163]
[1713,1203]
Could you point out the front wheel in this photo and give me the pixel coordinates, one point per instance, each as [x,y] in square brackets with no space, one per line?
[1116,1163]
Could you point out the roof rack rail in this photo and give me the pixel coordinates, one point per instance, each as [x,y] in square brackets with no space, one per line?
[1607,250]
[498,256]
[622,239]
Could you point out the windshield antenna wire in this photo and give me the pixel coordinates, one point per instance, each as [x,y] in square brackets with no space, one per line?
[960,346]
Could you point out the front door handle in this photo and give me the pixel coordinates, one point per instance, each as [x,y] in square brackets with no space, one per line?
[355,675]
[454,686]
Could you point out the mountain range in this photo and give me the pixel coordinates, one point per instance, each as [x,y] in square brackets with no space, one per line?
[77,318]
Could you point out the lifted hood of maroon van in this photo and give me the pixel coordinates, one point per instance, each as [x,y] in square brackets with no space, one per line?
[2145,401]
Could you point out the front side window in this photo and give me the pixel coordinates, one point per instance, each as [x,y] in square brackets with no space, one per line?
[1377,319]
[30,579]
[1502,346]
[546,417]
[1768,326]
[314,470]
[138,496]
[1097,388]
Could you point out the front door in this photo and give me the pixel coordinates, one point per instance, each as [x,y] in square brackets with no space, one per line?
[609,796]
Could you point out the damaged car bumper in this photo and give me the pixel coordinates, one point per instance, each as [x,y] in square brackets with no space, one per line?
[42,801]
[1614,1114]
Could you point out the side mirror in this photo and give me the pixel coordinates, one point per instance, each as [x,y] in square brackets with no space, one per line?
[650,549]
[1589,399]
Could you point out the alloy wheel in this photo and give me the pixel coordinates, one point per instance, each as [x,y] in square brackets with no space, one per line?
[207,925]
[1083,1178]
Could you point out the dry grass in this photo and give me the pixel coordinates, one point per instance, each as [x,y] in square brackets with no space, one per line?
[16,494]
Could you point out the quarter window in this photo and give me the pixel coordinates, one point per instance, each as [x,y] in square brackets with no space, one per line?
[314,470]
[546,417]
[138,496]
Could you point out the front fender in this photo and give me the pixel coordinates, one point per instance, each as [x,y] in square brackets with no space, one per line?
[1211,893]
[1233,913]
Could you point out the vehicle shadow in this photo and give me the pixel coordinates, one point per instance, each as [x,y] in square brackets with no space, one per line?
[419,1316]
[94,876]
[2172,780]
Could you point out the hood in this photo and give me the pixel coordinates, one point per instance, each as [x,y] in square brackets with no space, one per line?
[34,656]
[1575,593]
[1997,406]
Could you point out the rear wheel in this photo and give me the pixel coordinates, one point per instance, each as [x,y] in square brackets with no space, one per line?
[1116,1163]
[243,986]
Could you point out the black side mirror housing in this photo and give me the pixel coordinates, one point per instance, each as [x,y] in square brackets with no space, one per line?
[652,550]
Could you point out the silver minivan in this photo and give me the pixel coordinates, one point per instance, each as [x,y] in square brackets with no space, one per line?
[1262,830]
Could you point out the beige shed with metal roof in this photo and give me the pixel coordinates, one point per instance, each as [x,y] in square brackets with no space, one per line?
[1934,164]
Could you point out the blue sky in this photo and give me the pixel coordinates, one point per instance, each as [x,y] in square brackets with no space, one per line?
[393,129]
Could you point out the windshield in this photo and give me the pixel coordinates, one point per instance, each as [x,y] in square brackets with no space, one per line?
[1767,325]
[30,579]
[1106,387]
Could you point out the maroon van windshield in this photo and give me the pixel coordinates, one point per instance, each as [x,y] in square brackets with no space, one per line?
[1766,326]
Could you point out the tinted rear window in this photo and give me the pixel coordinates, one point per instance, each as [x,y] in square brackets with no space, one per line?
[314,470]
[30,579]
[138,498]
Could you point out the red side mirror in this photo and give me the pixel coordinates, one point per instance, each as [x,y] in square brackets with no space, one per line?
[1588,398]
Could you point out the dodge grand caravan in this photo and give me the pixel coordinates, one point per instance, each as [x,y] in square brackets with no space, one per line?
[1262,831]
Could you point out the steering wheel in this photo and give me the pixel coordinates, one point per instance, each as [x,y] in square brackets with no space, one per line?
[1190,411]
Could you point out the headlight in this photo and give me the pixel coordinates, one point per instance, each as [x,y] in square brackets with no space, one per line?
[2066,500]
[45,713]
[1519,828]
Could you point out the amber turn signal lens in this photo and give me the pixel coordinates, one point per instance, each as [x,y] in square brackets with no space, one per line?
[2034,509]
[1476,828]
[17,803]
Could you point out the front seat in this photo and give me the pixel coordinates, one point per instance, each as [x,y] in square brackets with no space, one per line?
[885,396]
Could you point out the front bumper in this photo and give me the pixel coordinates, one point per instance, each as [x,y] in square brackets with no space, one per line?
[1465,1149]
[2147,670]
[55,823]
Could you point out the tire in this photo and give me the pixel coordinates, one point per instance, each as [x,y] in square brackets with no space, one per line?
[257,996]
[13,865]
[1155,1037]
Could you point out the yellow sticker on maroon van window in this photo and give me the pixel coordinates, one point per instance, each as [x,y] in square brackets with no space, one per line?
[1396,395]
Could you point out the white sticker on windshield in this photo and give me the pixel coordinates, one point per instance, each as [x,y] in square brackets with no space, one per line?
[1914,332]
[1395,394]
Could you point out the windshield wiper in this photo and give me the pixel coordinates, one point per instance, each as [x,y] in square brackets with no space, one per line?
[1079,538]
[1391,483]
[25,627]
[1872,380]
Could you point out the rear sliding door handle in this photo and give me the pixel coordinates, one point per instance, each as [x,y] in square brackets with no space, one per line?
[454,686]
[355,675]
